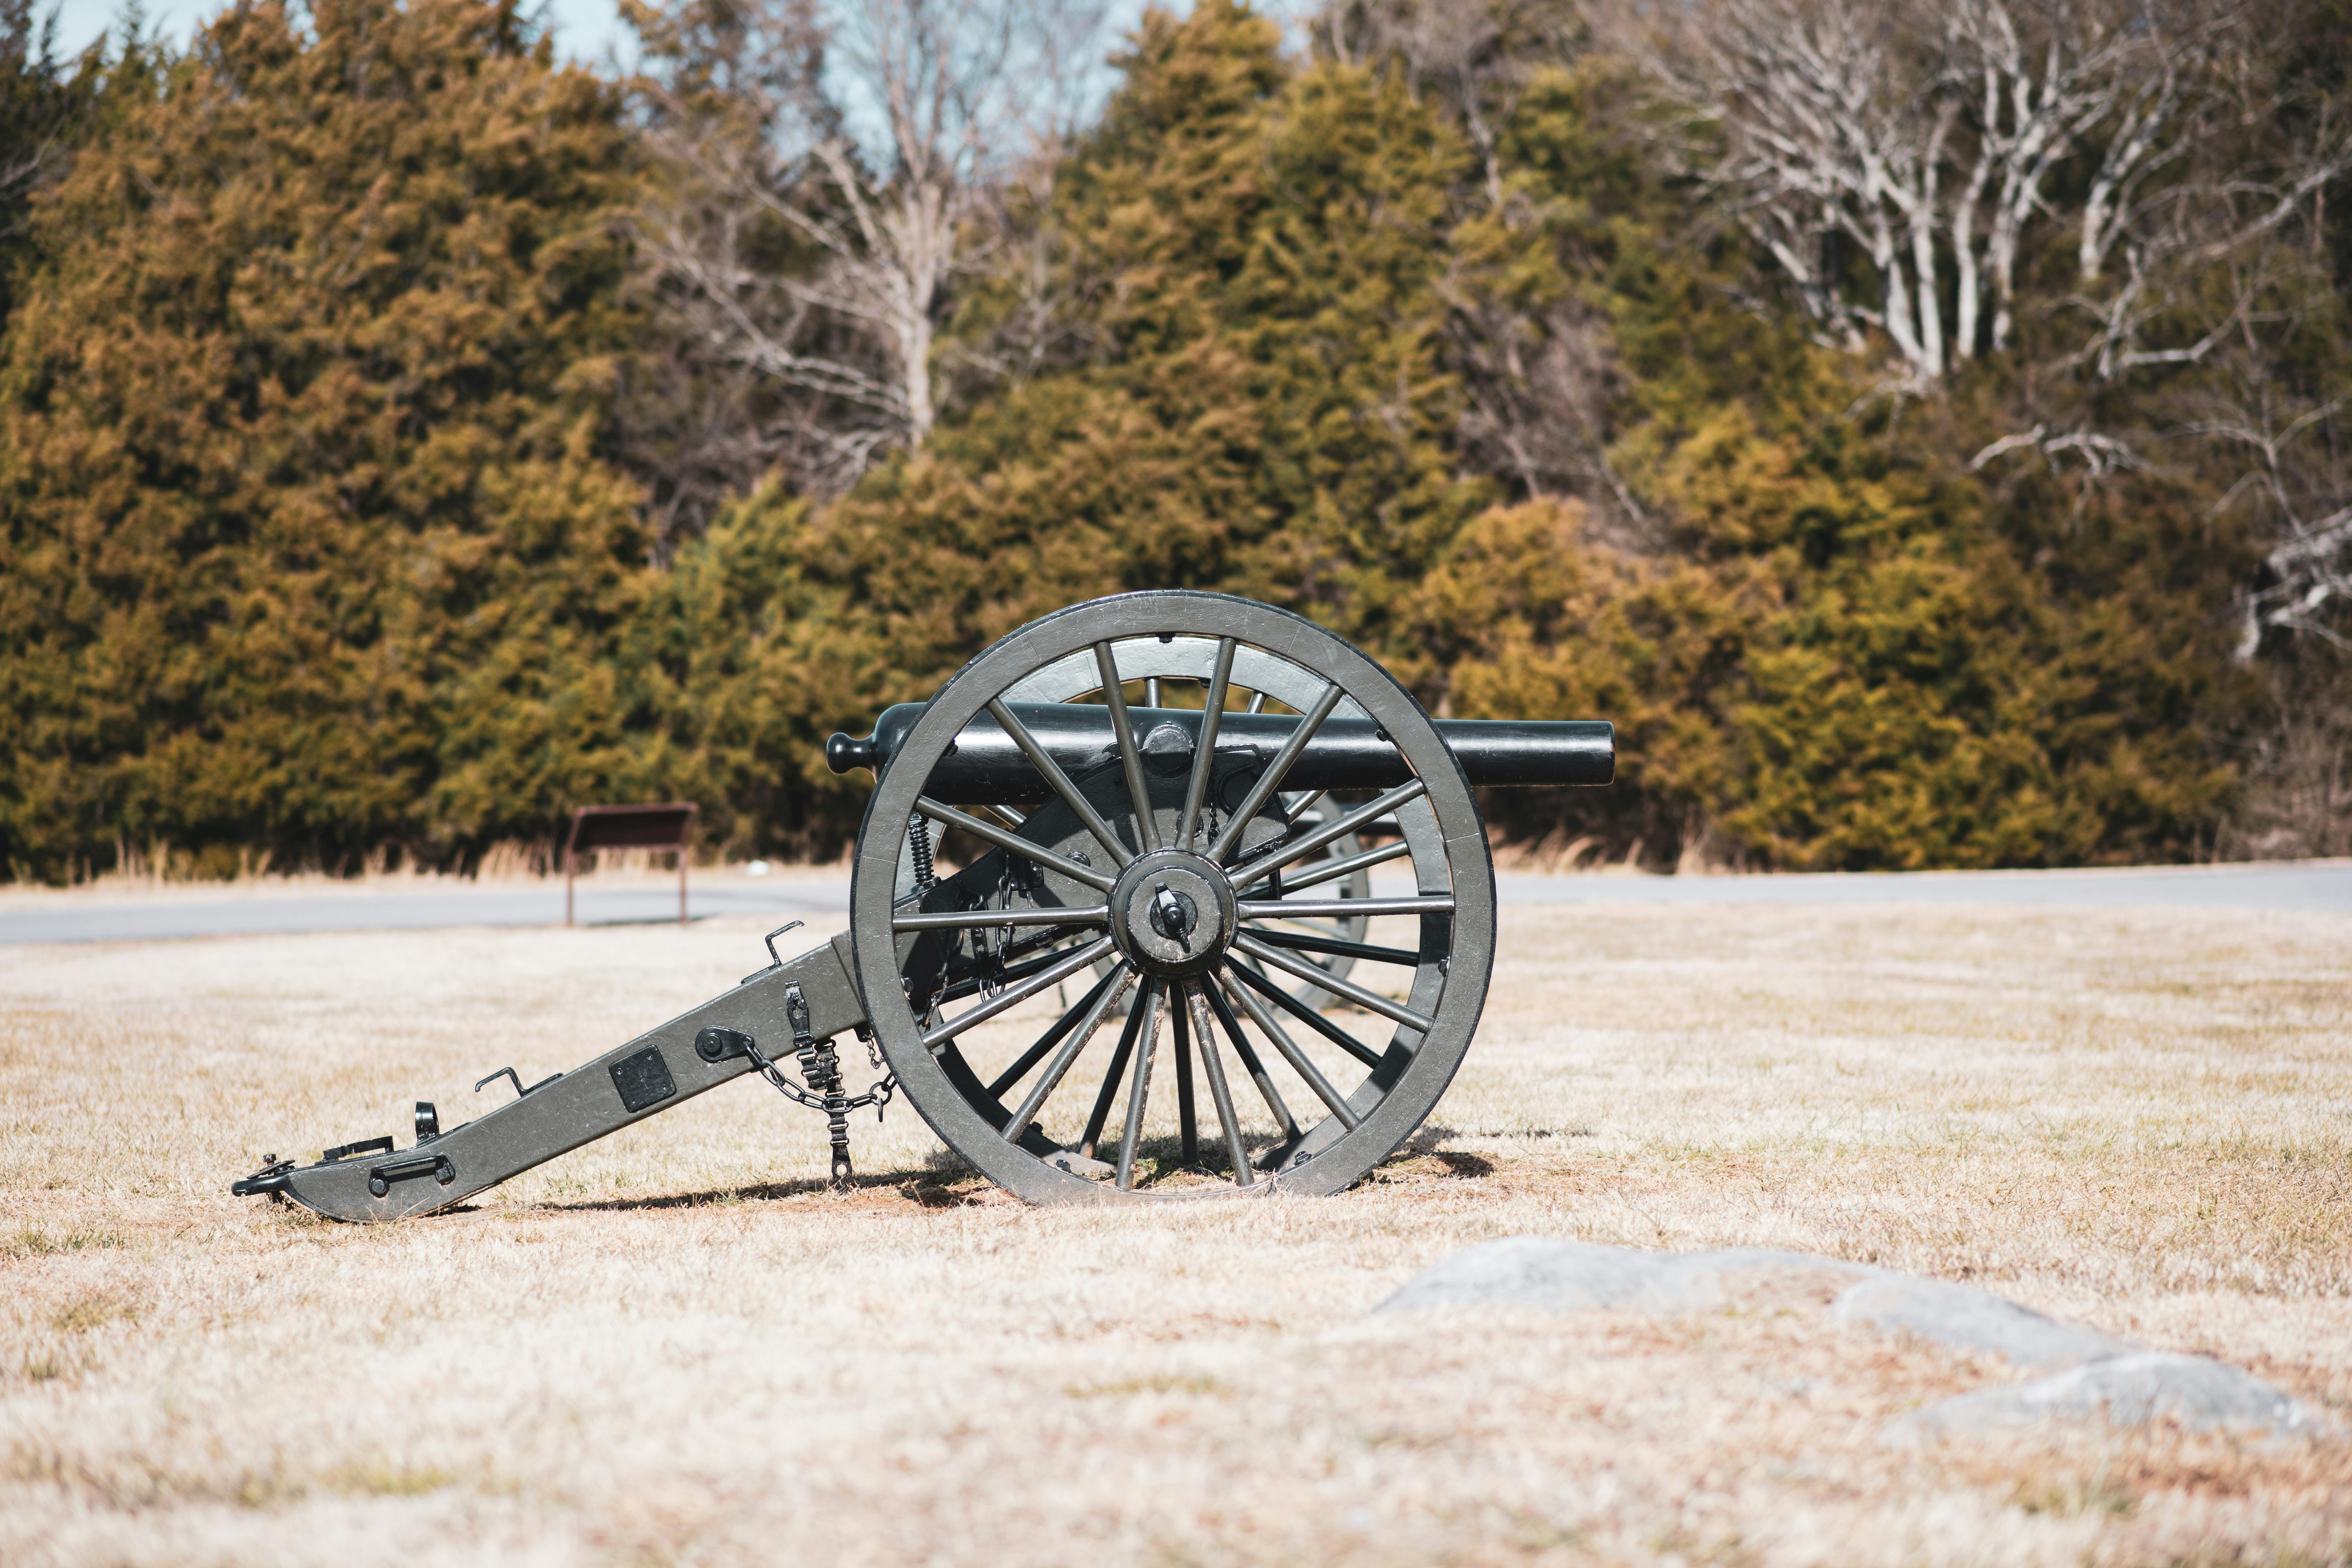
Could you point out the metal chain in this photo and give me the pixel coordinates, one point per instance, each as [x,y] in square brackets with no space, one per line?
[820,1087]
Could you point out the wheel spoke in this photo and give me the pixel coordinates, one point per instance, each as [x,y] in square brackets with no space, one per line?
[1147,827]
[1058,780]
[967,919]
[1344,909]
[1117,1068]
[1338,948]
[1372,1001]
[1302,1012]
[1223,1009]
[1302,808]
[1095,1008]
[1204,750]
[1258,703]
[1188,1125]
[1140,1085]
[1332,870]
[1299,1059]
[1014,995]
[1271,780]
[1196,1008]
[1014,842]
[1322,928]
[1053,1036]
[1290,850]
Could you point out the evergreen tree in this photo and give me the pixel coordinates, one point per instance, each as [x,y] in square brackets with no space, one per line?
[311,542]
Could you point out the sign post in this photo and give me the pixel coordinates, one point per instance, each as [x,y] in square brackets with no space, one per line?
[667,826]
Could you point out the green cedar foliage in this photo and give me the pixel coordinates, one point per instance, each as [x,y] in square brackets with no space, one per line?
[741,662]
[310,538]
[1263,258]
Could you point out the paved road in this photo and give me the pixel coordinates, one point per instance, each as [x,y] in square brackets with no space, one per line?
[2290,886]
[496,905]
[2313,885]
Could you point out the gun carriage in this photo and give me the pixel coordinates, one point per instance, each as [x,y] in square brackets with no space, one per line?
[1173,803]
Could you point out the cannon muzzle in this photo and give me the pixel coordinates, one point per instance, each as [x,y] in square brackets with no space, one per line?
[1344,753]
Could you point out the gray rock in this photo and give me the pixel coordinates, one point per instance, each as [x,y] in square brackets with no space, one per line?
[2128,1390]
[1583,1277]
[1965,1318]
[2114,1380]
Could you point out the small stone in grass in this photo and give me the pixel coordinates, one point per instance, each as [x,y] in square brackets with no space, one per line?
[1965,1318]
[2134,1389]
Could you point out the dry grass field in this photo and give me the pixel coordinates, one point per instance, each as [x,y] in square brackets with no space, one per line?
[674,1347]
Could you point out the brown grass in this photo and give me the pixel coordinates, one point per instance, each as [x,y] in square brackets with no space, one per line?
[673,1347]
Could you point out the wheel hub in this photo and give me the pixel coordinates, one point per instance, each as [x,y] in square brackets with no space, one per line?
[1172,913]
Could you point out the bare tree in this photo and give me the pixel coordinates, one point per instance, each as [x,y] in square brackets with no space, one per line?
[1890,158]
[2284,448]
[2305,578]
[2193,282]
[1828,141]
[1538,397]
[2031,94]
[2150,246]
[833,167]
[1927,136]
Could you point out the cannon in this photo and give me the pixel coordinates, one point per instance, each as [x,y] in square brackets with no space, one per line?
[1167,806]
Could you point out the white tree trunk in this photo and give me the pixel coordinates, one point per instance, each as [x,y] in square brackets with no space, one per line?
[950,95]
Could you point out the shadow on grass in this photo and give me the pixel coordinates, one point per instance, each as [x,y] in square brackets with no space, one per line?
[650,921]
[944,1181]
[929,1188]
[1425,1145]
[1159,1159]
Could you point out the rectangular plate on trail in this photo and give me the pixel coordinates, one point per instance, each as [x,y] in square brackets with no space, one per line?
[643,1080]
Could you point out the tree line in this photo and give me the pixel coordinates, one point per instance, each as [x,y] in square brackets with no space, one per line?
[1921,427]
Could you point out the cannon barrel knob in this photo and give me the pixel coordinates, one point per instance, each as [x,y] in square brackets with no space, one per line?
[843,753]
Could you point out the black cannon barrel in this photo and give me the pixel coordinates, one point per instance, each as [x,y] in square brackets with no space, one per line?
[1344,753]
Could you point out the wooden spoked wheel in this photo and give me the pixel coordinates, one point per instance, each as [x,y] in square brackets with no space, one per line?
[1124,995]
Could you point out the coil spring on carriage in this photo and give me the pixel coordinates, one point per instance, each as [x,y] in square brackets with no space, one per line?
[919,842]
